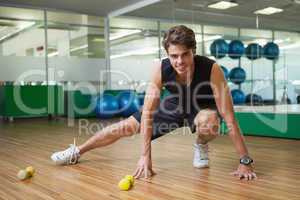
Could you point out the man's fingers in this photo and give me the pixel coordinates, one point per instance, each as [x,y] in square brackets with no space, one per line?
[145,174]
[249,176]
[137,176]
[149,173]
[252,176]
[136,171]
[246,175]
[240,176]
[146,171]
[235,173]
[140,171]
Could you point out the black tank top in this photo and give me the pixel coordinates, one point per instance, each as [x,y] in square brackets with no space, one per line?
[195,96]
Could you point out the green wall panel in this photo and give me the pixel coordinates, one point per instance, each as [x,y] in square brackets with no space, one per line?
[79,105]
[30,101]
[270,124]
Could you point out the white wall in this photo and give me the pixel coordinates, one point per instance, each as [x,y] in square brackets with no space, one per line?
[77,69]
[129,70]
[14,68]
[20,68]
[18,45]
[36,37]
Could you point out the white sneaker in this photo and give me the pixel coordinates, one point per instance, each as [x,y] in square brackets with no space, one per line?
[70,156]
[200,155]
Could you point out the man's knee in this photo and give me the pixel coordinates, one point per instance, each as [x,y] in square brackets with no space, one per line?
[207,122]
[129,126]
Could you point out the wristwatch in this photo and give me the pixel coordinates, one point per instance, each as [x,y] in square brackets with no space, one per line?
[246,160]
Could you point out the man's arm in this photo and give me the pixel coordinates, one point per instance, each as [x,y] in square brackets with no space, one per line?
[151,102]
[225,107]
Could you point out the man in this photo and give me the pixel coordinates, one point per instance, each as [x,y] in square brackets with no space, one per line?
[199,97]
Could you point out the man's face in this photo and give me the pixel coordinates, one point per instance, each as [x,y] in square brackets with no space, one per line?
[182,58]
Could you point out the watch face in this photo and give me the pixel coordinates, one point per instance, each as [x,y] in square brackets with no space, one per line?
[246,161]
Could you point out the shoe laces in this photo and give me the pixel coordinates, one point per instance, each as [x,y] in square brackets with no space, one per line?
[72,154]
[202,151]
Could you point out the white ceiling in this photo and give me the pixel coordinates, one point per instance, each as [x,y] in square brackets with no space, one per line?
[193,11]
[240,16]
[91,7]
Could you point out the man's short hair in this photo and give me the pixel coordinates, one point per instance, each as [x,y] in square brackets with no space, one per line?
[180,35]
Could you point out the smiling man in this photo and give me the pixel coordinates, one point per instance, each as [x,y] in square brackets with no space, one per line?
[199,97]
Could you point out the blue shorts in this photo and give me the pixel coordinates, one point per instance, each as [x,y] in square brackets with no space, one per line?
[169,117]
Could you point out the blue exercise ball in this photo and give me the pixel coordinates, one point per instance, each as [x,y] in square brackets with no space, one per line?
[141,97]
[219,48]
[237,75]
[226,72]
[236,49]
[254,51]
[271,51]
[254,99]
[106,106]
[238,96]
[129,103]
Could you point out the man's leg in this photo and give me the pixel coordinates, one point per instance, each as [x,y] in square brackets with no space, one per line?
[207,124]
[104,137]
[111,134]
[163,122]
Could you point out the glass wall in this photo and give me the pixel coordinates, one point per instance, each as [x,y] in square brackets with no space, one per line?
[212,33]
[22,52]
[76,51]
[72,49]
[134,48]
[61,48]
[287,72]
[259,72]
[264,77]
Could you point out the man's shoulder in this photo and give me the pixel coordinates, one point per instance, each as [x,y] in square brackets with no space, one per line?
[165,61]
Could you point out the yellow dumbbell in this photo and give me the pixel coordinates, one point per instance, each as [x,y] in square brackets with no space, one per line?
[30,171]
[126,183]
[26,173]
[130,178]
[23,174]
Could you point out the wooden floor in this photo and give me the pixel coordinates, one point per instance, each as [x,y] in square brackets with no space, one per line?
[31,142]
